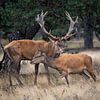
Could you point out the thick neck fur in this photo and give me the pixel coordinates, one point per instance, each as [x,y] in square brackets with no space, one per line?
[50,62]
[52,49]
[49,48]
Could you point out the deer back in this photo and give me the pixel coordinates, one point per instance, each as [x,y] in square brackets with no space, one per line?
[25,49]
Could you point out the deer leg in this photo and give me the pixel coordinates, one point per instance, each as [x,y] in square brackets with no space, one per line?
[48,74]
[9,69]
[5,63]
[66,77]
[65,74]
[19,67]
[17,77]
[36,73]
[84,75]
[17,71]
[92,74]
[10,79]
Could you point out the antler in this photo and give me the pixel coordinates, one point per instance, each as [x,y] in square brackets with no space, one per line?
[40,20]
[72,27]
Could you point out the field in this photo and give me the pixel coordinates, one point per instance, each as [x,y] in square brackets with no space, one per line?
[79,88]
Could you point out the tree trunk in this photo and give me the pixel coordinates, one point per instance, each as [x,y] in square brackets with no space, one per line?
[88,36]
[88,41]
[88,29]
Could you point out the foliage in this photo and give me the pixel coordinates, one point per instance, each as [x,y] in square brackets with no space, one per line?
[17,14]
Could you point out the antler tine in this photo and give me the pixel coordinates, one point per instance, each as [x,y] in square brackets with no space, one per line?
[42,12]
[72,27]
[72,23]
[68,16]
[76,21]
[42,15]
[50,31]
[40,20]
[45,13]
[49,34]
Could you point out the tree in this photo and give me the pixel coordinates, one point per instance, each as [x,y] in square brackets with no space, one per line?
[18,14]
[89,11]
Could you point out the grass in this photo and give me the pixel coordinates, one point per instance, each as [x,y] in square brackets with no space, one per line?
[80,88]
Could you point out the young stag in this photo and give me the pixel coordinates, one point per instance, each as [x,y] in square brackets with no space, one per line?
[66,63]
[25,49]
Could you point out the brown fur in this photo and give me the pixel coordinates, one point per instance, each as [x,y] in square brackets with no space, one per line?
[69,64]
[71,61]
[25,49]
[74,63]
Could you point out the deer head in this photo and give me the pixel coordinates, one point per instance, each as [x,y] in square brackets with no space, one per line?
[39,57]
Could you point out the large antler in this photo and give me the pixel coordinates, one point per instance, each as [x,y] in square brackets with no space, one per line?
[40,20]
[72,28]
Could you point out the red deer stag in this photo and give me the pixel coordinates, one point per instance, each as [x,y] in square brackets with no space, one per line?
[25,49]
[66,63]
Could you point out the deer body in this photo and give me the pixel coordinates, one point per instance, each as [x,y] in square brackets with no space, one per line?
[73,63]
[68,63]
[25,50]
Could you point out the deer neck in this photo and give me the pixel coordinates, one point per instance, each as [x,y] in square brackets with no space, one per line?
[50,62]
[51,49]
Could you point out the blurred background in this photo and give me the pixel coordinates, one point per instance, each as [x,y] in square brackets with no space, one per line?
[18,15]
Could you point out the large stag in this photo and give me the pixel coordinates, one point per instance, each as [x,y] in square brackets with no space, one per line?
[66,63]
[25,49]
